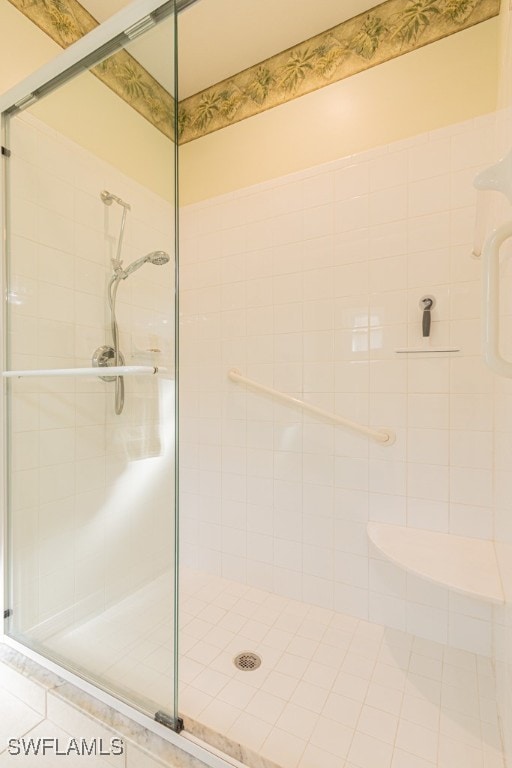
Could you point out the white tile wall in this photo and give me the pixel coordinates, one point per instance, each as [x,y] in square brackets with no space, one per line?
[308,284]
[92,491]
[502,616]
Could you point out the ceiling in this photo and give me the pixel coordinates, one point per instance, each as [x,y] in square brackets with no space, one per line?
[218,38]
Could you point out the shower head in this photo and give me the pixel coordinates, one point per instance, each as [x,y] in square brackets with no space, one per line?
[158,257]
[108,198]
[155,257]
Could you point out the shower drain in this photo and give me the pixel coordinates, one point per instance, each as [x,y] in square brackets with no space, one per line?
[247,661]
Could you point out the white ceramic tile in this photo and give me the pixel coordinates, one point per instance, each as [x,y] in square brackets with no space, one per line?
[249,731]
[375,722]
[429,195]
[428,481]
[403,759]
[388,205]
[388,239]
[314,756]
[383,698]
[389,170]
[428,267]
[388,610]
[297,721]
[418,740]
[429,159]
[387,578]
[452,751]
[318,221]
[332,737]
[429,232]
[429,446]
[388,274]
[139,758]
[470,486]
[471,634]
[368,752]
[351,181]
[72,721]
[418,709]
[351,686]
[430,623]
[17,718]
[281,749]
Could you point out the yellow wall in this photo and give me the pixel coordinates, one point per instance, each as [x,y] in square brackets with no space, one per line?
[445,82]
[505,84]
[85,110]
[23,47]
[448,81]
[89,113]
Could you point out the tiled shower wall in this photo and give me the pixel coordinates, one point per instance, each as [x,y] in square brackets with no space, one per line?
[309,284]
[92,491]
[501,212]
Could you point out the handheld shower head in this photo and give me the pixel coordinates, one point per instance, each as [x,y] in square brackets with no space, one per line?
[158,257]
[155,257]
[108,198]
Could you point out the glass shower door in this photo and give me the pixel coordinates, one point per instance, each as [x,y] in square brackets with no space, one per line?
[91,562]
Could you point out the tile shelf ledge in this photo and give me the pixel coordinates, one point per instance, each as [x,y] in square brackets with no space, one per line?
[465,565]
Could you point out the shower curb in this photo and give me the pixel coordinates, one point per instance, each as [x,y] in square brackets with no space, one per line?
[224,744]
[39,683]
[37,686]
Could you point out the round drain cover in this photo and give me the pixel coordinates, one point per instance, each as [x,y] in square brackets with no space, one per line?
[247,661]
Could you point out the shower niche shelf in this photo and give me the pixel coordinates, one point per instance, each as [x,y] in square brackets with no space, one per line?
[462,564]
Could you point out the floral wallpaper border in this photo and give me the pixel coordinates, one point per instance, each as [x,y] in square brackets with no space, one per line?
[389,30]
[66,21]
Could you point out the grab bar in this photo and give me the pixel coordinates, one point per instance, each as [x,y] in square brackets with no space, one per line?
[479,229]
[383,436]
[491,300]
[496,178]
[115,370]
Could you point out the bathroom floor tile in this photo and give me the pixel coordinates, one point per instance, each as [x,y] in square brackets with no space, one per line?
[331,690]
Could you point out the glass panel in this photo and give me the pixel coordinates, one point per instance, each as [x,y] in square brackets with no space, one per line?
[91,477]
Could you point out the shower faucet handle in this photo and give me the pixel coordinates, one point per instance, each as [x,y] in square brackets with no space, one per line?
[426,305]
[104,357]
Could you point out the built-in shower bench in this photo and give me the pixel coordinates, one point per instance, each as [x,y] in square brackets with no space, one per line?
[465,565]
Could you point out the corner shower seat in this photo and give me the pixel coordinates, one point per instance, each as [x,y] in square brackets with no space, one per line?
[465,565]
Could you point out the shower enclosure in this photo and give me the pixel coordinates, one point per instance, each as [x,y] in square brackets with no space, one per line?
[90,544]
[326,414]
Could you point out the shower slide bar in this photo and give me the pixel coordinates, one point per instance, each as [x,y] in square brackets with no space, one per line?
[383,436]
[114,370]
[491,300]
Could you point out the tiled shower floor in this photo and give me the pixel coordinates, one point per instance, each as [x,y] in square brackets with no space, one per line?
[332,691]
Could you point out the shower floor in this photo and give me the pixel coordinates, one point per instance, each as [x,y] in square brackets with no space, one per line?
[332,691]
